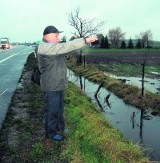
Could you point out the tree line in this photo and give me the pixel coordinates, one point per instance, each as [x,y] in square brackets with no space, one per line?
[115,37]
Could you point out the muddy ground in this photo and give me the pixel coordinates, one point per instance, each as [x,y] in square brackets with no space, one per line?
[152,58]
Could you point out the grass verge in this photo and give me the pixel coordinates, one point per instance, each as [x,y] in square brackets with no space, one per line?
[92,139]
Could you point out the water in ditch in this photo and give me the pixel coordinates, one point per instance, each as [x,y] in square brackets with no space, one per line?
[151,85]
[140,127]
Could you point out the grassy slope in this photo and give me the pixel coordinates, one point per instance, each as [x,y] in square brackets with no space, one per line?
[91,138]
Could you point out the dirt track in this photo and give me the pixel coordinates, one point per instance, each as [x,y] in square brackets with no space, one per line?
[152,58]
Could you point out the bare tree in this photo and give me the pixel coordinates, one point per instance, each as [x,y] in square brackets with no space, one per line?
[146,38]
[116,36]
[84,27]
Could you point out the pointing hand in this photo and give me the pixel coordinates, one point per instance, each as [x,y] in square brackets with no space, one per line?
[91,39]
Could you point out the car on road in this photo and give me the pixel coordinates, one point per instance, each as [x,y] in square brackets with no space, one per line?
[4,43]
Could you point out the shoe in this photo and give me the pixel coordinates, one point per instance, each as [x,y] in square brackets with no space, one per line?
[58,137]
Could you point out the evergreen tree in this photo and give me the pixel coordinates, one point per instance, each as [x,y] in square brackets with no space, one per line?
[72,38]
[123,45]
[102,42]
[106,43]
[63,39]
[130,44]
[139,44]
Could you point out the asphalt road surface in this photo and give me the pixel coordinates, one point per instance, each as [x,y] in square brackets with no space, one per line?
[11,66]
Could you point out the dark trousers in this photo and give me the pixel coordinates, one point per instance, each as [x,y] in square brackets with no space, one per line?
[54,109]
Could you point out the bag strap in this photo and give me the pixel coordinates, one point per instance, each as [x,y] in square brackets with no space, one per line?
[35,54]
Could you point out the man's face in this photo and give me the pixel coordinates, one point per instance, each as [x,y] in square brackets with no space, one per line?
[52,37]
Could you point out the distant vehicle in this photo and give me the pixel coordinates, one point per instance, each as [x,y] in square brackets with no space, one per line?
[4,43]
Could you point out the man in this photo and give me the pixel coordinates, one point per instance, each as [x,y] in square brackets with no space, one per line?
[51,62]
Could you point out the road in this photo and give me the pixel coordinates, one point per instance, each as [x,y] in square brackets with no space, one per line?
[11,65]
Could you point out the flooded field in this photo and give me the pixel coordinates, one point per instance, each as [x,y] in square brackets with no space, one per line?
[140,127]
[151,85]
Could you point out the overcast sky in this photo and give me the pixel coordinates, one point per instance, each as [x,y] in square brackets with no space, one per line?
[25,20]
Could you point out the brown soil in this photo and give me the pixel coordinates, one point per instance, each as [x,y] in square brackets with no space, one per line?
[152,58]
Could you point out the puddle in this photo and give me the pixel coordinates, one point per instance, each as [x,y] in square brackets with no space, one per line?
[140,127]
[152,85]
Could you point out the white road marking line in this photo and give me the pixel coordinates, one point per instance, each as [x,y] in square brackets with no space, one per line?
[10,56]
[3,92]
